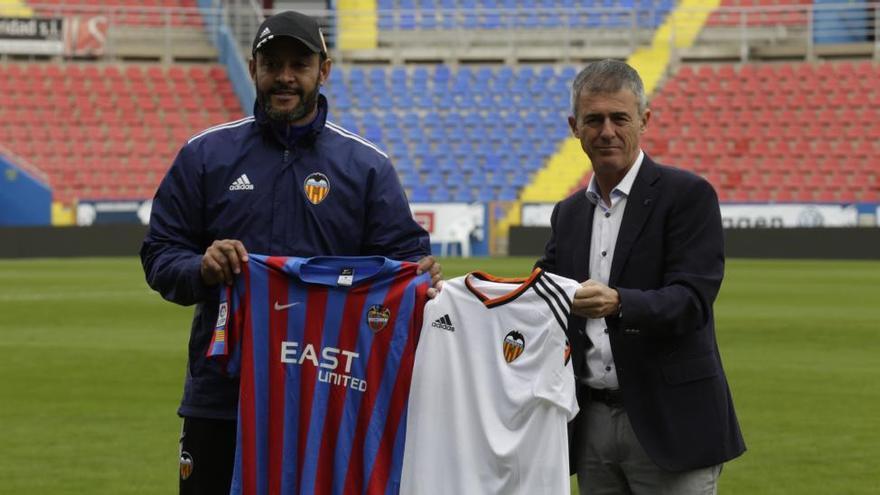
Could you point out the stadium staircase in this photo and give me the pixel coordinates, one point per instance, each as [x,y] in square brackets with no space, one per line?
[357,24]
[14,8]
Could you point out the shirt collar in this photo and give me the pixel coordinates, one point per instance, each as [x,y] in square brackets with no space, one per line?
[622,188]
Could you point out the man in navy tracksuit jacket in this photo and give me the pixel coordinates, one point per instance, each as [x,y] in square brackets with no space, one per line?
[284,182]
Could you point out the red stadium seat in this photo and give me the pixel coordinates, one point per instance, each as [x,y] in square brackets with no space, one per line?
[815,138]
[198,73]
[78,131]
[156,73]
[134,72]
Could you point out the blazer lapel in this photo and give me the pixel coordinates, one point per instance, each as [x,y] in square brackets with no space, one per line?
[582,234]
[639,204]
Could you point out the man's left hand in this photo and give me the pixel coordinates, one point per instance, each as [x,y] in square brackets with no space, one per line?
[595,300]
[432,266]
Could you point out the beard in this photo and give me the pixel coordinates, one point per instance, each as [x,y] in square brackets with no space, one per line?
[307,103]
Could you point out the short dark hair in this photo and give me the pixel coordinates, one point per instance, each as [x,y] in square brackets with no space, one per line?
[608,76]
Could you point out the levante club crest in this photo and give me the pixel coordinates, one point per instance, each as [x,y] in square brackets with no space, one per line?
[513,345]
[316,187]
[377,317]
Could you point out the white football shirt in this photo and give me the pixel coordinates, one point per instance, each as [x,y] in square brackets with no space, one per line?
[492,389]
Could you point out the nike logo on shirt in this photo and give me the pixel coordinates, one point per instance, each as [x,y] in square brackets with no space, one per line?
[281,307]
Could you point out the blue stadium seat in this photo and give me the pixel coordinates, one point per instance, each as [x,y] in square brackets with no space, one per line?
[441,194]
[420,194]
[454,131]
[463,196]
[507,193]
[486,194]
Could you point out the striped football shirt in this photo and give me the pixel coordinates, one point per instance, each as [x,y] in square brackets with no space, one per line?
[324,347]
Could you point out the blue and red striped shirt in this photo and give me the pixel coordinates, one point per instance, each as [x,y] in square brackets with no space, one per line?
[324,347]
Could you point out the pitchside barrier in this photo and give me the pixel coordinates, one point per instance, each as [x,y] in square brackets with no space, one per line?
[125,240]
[796,230]
[853,243]
[116,228]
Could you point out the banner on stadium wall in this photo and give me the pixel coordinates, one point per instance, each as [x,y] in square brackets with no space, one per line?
[85,35]
[32,36]
[98,212]
[72,36]
[536,214]
[789,215]
[459,224]
[742,216]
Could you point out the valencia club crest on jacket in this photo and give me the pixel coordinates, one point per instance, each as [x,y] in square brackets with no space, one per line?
[513,346]
[316,187]
[377,317]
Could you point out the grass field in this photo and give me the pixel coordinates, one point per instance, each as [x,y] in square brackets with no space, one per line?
[92,366]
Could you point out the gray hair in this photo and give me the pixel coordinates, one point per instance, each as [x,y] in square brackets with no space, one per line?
[608,76]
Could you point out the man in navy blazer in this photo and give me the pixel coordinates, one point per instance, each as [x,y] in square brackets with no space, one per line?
[646,239]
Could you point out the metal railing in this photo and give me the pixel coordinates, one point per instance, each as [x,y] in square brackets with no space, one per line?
[803,32]
[126,31]
[732,33]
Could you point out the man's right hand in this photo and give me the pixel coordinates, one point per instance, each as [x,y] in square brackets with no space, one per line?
[222,261]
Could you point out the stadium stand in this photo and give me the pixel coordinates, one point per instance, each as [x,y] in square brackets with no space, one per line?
[126,12]
[464,132]
[768,13]
[108,131]
[775,132]
[471,133]
[506,14]
[159,30]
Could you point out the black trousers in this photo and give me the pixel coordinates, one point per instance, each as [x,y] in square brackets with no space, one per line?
[207,454]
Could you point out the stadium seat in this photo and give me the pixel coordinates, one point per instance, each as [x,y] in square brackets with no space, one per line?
[106,124]
[810,136]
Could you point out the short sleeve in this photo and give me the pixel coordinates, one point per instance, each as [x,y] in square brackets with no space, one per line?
[226,339]
[557,381]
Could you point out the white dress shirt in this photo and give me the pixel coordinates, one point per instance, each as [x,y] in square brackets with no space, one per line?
[606,226]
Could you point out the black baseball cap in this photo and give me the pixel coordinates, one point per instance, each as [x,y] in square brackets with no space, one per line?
[292,25]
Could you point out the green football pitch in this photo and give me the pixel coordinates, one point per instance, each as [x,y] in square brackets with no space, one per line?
[93,361]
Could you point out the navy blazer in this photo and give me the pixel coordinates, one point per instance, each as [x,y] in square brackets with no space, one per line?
[667,267]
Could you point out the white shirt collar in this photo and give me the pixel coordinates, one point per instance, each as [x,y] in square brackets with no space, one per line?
[622,188]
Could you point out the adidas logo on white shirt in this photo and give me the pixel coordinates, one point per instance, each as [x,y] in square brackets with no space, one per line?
[444,322]
[242,184]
